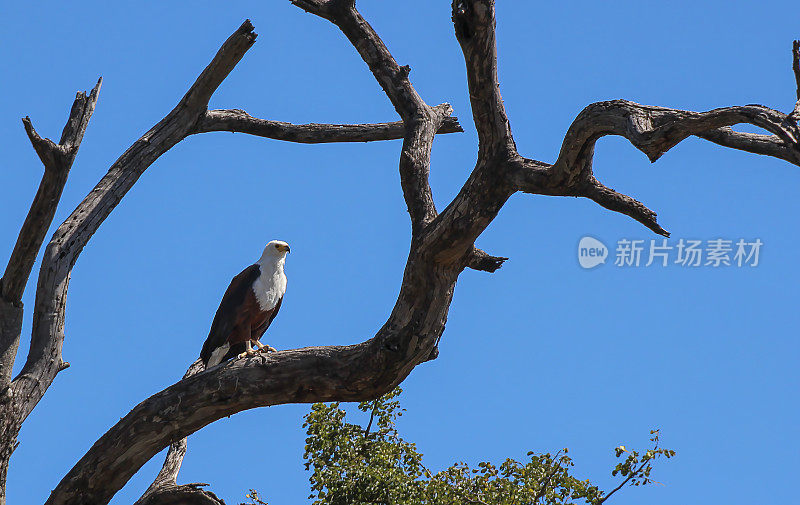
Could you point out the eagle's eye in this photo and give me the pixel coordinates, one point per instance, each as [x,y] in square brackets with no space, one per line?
[277,246]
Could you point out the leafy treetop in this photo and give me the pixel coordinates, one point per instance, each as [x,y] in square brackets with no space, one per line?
[352,465]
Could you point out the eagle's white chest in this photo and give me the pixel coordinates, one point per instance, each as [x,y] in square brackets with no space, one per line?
[270,286]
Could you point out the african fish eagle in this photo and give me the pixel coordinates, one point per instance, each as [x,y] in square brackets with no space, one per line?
[248,306]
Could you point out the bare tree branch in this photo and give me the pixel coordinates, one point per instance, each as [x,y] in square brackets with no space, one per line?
[483,261]
[795,115]
[767,145]
[239,121]
[796,65]
[624,204]
[652,130]
[327,9]
[57,160]
[500,171]
[187,494]
[10,330]
[347,373]
[450,238]
[168,476]
[421,121]
[655,130]
[474,23]
[165,488]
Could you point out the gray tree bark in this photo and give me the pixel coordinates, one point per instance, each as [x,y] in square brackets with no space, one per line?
[18,397]
[442,245]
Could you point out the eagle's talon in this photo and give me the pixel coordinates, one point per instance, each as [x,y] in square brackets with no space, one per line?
[267,348]
[248,354]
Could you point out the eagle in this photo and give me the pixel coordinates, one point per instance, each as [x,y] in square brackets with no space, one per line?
[248,307]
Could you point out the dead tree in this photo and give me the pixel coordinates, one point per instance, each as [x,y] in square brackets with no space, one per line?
[442,243]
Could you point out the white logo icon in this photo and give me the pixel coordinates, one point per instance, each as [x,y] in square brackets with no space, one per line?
[591,252]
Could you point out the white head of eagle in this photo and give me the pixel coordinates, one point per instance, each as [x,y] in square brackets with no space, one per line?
[248,307]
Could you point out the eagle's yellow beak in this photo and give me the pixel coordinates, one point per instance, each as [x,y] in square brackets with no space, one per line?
[284,248]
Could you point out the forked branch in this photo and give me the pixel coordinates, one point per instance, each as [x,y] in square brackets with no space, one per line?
[165,488]
[652,130]
[239,121]
[500,170]
[421,121]
[57,160]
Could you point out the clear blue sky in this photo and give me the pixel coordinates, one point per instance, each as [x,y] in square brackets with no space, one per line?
[540,355]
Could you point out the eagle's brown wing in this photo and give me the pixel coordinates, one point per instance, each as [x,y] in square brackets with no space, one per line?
[229,311]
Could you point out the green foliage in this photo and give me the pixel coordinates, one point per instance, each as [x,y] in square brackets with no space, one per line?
[636,469]
[254,498]
[352,465]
